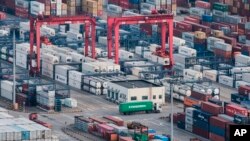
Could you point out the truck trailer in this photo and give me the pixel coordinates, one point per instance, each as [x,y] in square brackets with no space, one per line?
[127,108]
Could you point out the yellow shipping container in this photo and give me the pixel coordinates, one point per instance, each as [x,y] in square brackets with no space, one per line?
[200,34]
[218,33]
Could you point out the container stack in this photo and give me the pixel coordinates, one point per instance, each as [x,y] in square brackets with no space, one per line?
[22,8]
[92,7]
[61,73]
[92,85]
[37,8]
[112,128]
[71,7]
[242,97]
[7,89]
[22,55]
[48,62]
[46,99]
[210,120]
[75,79]
[47,6]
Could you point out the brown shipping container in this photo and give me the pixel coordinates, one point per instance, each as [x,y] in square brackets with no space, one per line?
[189,101]
[211,108]
[222,53]
[118,121]
[218,122]
[244,90]
[125,138]
[214,137]
[200,95]
[229,40]
[179,117]
[189,19]
[178,33]
[183,26]
[200,132]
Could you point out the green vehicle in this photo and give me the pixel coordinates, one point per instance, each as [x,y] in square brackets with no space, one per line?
[127,108]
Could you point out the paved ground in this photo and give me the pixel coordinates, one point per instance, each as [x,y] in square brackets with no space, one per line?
[92,105]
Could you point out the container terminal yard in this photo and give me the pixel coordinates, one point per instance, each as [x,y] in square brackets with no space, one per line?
[123,70]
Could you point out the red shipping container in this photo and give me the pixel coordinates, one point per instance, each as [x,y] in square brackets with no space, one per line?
[98,120]
[200,132]
[218,122]
[183,26]
[2,16]
[147,28]
[222,53]
[211,108]
[229,40]
[244,90]
[125,138]
[214,137]
[202,4]
[179,117]
[178,33]
[231,110]
[118,121]
[218,26]
[200,95]
[189,19]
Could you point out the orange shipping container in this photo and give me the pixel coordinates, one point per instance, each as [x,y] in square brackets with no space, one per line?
[189,101]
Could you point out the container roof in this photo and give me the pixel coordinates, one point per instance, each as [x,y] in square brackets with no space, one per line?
[135,84]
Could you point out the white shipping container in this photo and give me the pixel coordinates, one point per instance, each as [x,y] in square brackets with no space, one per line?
[188,36]
[189,74]
[74,36]
[111,8]
[75,75]
[243,59]
[37,8]
[147,6]
[210,74]
[48,73]
[178,41]
[49,58]
[226,80]
[89,67]
[189,111]
[241,83]
[47,31]
[197,11]
[184,50]
[70,102]
[61,78]
[246,77]
[125,54]
[223,46]
[95,91]
[75,83]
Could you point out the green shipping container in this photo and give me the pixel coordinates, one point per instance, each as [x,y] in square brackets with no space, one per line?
[137,106]
[220,7]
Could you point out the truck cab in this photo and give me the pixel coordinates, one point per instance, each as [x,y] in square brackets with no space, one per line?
[157,108]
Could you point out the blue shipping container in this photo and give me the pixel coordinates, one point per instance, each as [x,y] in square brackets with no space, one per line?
[201,124]
[161,137]
[245,104]
[207,18]
[181,125]
[202,116]
[236,98]
[217,130]
[134,1]
[151,131]
[240,119]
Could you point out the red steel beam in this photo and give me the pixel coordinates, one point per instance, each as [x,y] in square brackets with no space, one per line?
[115,22]
[35,25]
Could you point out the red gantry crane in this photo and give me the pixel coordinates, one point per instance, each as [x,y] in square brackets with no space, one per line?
[36,23]
[164,19]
